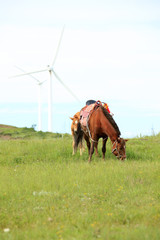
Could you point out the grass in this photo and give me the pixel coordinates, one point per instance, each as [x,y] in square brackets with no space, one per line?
[46,193]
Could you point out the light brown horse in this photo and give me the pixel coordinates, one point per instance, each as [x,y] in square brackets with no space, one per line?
[100,124]
[77,133]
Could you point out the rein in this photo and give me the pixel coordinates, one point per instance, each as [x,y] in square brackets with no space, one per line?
[115,149]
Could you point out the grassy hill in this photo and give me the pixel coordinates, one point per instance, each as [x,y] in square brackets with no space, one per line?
[10,132]
[46,193]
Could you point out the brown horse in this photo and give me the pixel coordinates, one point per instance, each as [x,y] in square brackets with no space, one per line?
[100,124]
[77,133]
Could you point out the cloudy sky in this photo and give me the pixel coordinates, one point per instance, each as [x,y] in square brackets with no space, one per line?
[109,51]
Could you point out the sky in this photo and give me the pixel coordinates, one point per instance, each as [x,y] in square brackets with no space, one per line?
[109,51]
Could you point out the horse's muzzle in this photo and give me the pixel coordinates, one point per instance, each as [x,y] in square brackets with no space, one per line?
[123,158]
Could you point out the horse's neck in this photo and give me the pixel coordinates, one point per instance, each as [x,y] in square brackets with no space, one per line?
[113,136]
[109,130]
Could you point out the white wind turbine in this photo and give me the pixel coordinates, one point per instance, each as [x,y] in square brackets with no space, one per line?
[39,84]
[50,69]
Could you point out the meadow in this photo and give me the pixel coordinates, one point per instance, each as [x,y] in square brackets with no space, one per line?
[46,193]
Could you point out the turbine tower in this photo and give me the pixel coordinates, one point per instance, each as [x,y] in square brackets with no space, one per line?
[39,84]
[50,69]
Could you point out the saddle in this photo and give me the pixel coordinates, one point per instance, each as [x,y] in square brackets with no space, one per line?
[87,111]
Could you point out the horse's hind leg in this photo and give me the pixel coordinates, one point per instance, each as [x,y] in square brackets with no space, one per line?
[96,148]
[91,151]
[81,147]
[104,147]
[88,143]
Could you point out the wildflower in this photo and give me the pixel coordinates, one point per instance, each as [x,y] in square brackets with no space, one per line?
[38,208]
[120,188]
[109,214]
[93,224]
[50,219]
[41,193]
[6,230]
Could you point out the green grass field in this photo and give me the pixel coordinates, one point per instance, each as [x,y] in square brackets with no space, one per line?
[46,193]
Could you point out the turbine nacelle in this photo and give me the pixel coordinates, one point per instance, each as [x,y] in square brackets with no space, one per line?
[50,68]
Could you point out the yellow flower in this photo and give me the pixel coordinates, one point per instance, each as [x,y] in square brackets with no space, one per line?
[120,188]
[109,214]
[53,207]
[93,224]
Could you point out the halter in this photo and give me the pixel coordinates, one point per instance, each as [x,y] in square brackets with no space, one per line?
[116,149]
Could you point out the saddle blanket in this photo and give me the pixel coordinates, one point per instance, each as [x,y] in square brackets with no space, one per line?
[84,113]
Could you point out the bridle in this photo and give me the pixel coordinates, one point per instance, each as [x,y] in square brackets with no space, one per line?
[116,149]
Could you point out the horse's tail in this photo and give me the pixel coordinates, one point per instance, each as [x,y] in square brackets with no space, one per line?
[78,137]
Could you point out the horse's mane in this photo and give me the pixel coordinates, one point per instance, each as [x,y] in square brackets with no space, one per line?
[111,120]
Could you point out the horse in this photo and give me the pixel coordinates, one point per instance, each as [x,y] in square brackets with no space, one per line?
[100,124]
[77,133]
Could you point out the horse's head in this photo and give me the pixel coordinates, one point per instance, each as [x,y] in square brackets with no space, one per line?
[75,122]
[119,148]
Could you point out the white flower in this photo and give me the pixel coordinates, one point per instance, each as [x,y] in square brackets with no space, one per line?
[41,193]
[6,230]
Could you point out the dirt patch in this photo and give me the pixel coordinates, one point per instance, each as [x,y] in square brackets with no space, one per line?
[5,137]
[6,126]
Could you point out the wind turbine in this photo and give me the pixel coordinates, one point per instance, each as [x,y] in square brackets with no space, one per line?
[39,84]
[50,69]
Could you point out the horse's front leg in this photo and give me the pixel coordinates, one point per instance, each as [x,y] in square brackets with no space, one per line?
[91,151]
[104,147]
[74,145]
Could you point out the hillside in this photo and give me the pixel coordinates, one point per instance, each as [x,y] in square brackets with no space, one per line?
[11,132]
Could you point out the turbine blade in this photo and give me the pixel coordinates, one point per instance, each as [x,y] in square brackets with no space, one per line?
[28,73]
[59,43]
[39,82]
[68,89]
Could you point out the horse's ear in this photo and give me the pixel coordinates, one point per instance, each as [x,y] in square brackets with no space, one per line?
[119,140]
[126,140]
[71,118]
